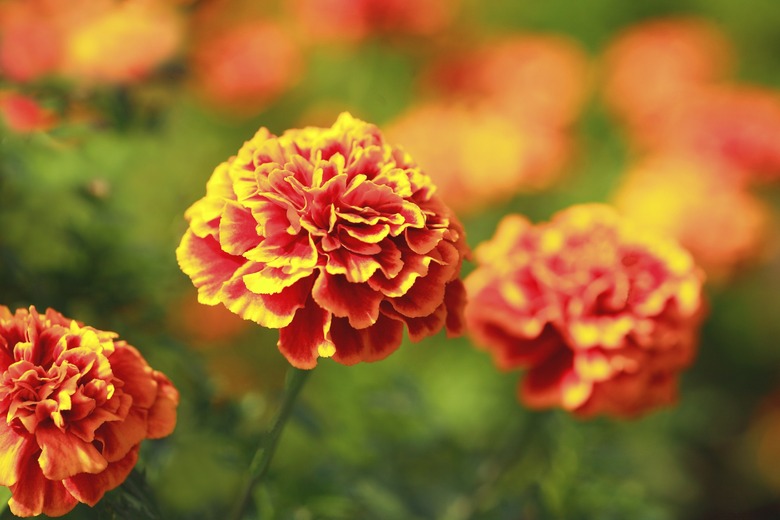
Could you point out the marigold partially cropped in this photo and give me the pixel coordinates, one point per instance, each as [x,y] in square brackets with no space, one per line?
[77,403]
[23,113]
[603,316]
[332,236]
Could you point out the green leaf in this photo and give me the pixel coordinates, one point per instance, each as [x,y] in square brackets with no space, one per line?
[5,495]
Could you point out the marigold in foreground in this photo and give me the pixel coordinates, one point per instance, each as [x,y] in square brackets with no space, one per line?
[77,406]
[331,235]
[602,316]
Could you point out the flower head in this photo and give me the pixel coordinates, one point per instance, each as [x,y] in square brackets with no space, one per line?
[77,404]
[601,315]
[331,235]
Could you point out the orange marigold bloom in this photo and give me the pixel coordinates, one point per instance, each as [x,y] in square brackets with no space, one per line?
[658,62]
[720,223]
[331,235]
[602,316]
[77,403]
[31,38]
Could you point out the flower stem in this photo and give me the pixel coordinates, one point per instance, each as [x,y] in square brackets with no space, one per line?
[261,461]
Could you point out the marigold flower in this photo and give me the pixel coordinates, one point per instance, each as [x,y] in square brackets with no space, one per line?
[653,64]
[602,315]
[332,236]
[245,66]
[719,222]
[77,403]
[477,156]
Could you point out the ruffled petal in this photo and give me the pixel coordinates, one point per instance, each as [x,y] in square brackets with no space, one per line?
[207,265]
[162,415]
[306,337]
[89,489]
[358,302]
[373,343]
[269,310]
[11,448]
[64,455]
[34,494]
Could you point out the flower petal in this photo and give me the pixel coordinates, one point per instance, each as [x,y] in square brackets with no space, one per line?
[11,447]
[34,494]
[306,336]
[162,415]
[373,343]
[237,229]
[207,265]
[269,310]
[64,455]
[355,301]
[89,489]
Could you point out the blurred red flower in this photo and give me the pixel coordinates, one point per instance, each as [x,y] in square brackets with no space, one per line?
[78,404]
[602,315]
[331,235]
[354,20]
[245,66]
[738,127]
[476,155]
[656,63]
[24,114]
[717,220]
[532,78]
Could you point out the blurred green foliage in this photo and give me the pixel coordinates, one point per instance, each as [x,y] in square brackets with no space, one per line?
[90,220]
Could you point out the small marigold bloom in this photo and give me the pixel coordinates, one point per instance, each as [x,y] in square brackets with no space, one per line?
[602,316]
[535,78]
[738,127]
[718,221]
[477,156]
[331,235]
[122,43]
[24,114]
[77,403]
[354,20]
[658,62]
[246,66]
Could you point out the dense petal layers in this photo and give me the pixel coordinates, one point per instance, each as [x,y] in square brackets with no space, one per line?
[602,315]
[77,405]
[330,235]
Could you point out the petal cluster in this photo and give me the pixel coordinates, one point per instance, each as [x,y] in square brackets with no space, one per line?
[603,316]
[330,235]
[77,404]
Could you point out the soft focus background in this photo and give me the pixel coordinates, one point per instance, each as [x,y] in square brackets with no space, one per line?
[114,115]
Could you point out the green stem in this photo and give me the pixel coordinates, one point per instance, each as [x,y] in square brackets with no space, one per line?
[265,451]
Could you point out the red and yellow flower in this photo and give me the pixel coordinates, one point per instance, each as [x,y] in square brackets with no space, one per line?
[77,403]
[603,316]
[332,236]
